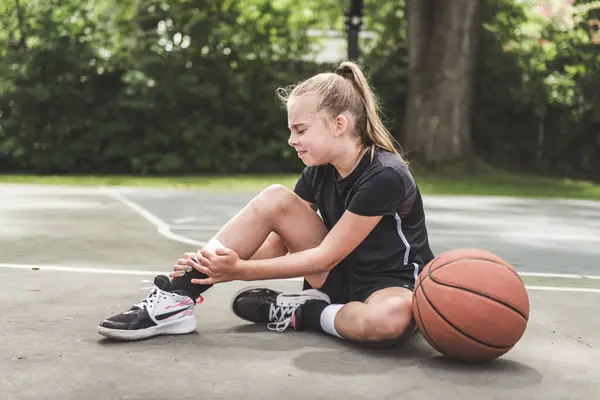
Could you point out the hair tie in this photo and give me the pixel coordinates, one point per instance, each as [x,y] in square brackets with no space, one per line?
[344,72]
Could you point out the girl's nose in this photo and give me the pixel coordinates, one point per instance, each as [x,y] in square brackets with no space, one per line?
[292,140]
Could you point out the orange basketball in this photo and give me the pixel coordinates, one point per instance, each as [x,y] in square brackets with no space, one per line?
[471,305]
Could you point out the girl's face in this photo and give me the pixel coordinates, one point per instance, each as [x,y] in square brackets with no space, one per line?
[312,135]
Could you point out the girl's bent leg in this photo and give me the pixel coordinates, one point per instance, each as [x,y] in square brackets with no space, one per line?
[385,315]
[278,214]
[277,209]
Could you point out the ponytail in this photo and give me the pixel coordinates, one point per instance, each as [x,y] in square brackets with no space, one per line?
[376,134]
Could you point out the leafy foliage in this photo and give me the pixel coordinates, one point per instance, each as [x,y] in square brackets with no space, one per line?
[535,96]
[185,86]
[188,86]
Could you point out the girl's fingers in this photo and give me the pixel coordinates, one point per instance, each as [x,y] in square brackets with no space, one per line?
[176,274]
[203,260]
[223,251]
[204,270]
[207,254]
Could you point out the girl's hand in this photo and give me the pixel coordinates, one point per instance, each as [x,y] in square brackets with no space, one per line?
[183,265]
[223,265]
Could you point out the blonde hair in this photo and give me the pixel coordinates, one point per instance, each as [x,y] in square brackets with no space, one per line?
[347,89]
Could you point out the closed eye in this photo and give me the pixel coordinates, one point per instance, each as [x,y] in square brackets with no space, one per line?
[299,127]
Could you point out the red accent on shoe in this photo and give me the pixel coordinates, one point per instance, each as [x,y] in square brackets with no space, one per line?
[199,300]
[293,320]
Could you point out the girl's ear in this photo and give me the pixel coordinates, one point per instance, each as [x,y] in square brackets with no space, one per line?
[341,124]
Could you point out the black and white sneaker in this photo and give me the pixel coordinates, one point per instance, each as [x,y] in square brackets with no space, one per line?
[276,309]
[161,313]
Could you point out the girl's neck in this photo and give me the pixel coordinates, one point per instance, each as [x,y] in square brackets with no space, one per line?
[346,162]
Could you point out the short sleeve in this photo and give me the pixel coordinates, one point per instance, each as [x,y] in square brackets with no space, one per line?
[304,187]
[381,194]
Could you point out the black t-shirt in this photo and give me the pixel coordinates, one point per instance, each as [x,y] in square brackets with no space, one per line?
[381,186]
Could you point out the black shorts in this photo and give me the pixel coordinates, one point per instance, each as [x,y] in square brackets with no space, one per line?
[343,286]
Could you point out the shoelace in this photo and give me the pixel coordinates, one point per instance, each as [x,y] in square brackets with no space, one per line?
[149,299]
[281,322]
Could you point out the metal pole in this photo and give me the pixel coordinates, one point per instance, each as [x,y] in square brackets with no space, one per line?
[353,23]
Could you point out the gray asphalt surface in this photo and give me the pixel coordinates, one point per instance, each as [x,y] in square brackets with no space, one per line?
[49,348]
[556,236]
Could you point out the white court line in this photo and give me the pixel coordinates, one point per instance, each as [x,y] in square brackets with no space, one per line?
[154,273]
[502,233]
[163,228]
[562,276]
[202,227]
[78,269]
[563,289]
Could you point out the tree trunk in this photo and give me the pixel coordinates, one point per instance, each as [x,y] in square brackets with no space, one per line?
[442,38]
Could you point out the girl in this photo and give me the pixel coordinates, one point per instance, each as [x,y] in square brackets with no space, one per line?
[359,260]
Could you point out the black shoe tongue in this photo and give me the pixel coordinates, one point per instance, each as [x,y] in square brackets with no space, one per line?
[162,282]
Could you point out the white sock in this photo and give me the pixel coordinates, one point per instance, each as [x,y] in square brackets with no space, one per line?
[328,319]
[212,245]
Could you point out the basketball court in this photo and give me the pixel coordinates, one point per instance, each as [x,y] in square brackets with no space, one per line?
[72,256]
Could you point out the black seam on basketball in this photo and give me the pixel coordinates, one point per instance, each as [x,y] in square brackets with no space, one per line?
[426,334]
[430,274]
[459,330]
[431,341]
[480,259]
[482,295]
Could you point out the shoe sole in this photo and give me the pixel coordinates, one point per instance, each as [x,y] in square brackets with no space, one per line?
[310,294]
[179,327]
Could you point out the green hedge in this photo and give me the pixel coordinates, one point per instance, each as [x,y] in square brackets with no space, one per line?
[208,107]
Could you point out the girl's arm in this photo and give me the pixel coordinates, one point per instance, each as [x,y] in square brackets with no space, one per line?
[345,236]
